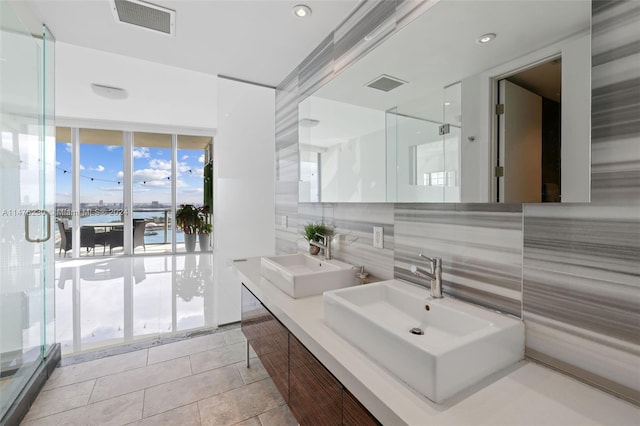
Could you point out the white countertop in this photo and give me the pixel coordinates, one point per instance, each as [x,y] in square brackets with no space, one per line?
[527,394]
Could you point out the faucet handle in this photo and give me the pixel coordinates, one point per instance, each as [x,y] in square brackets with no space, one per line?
[435,261]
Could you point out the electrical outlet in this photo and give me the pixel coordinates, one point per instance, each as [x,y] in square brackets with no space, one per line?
[284,221]
[378,237]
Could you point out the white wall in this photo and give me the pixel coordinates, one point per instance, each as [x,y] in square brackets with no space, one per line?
[475,155]
[351,140]
[576,121]
[354,171]
[158,94]
[244,186]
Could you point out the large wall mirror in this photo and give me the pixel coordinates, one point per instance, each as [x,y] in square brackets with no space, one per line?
[474,101]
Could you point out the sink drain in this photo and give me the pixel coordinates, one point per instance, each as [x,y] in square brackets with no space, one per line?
[416,330]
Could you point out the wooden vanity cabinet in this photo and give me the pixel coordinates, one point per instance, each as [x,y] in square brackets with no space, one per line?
[354,413]
[313,394]
[268,338]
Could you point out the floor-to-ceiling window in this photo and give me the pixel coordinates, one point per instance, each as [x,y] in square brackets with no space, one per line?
[152,197]
[101,191]
[193,181]
[165,171]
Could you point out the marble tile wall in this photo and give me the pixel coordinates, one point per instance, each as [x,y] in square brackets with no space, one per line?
[615,103]
[581,267]
[571,271]
[582,292]
[287,160]
[352,225]
[480,246]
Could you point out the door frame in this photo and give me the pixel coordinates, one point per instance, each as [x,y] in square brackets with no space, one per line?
[494,99]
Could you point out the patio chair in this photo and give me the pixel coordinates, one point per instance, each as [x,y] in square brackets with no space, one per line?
[65,238]
[138,234]
[116,238]
[89,239]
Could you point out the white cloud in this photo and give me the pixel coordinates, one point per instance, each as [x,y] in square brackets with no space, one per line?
[112,147]
[166,165]
[201,159]
[120,174]
[185,157]
[58,163]
[183,167]
[81,167]
[141,152]
[160,164]
[199,172]
[99,168]
[152,177]
[112,188]
[67,147]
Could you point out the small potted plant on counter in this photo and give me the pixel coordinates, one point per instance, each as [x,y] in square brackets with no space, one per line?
[188,219]
[312,232]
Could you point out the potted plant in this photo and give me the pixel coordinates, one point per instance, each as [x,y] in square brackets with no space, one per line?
[204,235]
[188,219]
[312,232]
[204,228]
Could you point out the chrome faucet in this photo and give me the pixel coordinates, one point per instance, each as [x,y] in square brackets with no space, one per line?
[325,245]
[435,275]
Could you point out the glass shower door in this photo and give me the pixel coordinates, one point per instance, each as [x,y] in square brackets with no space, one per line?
[26,249]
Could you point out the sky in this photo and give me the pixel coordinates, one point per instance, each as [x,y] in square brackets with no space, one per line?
[102,176]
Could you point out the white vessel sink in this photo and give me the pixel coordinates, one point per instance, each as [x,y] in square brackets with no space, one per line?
[302,275]
[461,345]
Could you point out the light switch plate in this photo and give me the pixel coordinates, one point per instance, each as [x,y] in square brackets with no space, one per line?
[378,237]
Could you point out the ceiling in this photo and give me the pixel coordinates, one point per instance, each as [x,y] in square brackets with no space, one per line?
[439,48]
[255,40]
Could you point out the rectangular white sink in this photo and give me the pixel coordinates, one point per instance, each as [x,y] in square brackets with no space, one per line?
[461,345]
[302,275]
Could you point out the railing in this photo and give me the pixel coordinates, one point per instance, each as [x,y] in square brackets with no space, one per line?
[163,219]
[165,222]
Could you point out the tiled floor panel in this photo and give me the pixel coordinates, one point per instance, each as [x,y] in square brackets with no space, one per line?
[199,381]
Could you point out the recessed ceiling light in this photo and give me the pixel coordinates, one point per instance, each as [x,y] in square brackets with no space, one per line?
[485,38]
[301,11]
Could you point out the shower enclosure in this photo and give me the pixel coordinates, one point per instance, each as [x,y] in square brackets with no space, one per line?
[27,166]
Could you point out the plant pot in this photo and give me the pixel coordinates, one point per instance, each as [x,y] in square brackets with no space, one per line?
[190,242]
[204,239]
[313,250]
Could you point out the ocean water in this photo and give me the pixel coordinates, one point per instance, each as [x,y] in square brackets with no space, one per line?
[156,217]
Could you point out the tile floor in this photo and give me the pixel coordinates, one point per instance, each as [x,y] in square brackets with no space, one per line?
[198,381]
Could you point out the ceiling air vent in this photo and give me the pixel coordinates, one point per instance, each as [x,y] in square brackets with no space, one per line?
[145,15]
[385,83]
